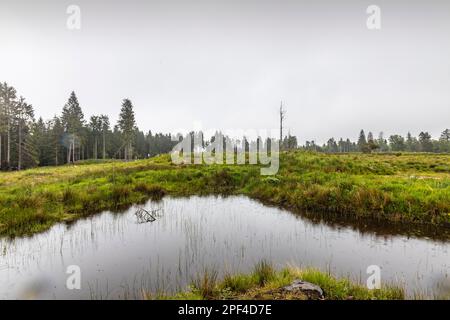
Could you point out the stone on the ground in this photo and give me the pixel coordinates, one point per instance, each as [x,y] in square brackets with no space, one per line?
[311,290]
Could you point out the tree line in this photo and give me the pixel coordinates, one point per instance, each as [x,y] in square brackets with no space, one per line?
[394,143]
[28,142]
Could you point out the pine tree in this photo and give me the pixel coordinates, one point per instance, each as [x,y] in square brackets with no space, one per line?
[397,142]
[349,146]
[95,125]
[40,139]
[331,146]
[73,120]
[444,141]
[362,142]
[8,97]
[127,125]
[445,135]
[23,117]
[411,143]
[371,143]
[104,120]
[426,144]
[57,133]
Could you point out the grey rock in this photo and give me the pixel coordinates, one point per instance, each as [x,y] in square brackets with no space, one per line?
[311,290]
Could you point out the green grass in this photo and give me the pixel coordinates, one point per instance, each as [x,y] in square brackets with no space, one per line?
[413,188]
[250,287]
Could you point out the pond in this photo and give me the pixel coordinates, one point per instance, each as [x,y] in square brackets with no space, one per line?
[120,254]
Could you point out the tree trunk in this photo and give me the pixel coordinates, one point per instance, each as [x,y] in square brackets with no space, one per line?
[8,146]
[95,147]
[19,165]
[104,147]
[281,125]
[73,150]
[130,150]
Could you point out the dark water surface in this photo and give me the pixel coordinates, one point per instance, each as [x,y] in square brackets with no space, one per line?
[118,256]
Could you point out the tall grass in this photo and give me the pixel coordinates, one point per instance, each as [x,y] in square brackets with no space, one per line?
[267,283]
[405,188]
[263,272]
[205,283]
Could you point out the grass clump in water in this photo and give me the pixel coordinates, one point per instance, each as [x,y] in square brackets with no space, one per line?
[265,283]
[263,273]
[206,283]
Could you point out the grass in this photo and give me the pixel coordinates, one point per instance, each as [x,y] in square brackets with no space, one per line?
[265,283]
[412,188]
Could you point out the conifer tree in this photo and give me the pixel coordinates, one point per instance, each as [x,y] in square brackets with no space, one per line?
[362,142]
[73,121]
[127,125]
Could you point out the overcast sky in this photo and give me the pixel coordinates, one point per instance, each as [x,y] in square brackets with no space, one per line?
[227,64]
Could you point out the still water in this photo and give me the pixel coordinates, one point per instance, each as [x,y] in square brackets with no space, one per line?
[119,255]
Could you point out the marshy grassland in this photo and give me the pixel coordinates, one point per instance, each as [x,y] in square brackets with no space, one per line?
[266,283]
[413,188]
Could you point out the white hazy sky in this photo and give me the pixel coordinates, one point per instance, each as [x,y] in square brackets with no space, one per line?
[227,64]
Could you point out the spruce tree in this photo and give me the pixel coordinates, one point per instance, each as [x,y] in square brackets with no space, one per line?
[362,142]
[104,121]
[57,133]
[23,118]
[73,121]
[426,145]
[95,125]
[127,125]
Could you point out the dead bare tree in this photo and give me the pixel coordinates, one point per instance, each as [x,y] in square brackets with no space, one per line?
[282,116]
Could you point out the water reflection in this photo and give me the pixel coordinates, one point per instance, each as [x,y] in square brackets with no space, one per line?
[119,256]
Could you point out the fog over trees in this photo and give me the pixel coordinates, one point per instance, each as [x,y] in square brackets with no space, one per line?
[66,138]
[394,143]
